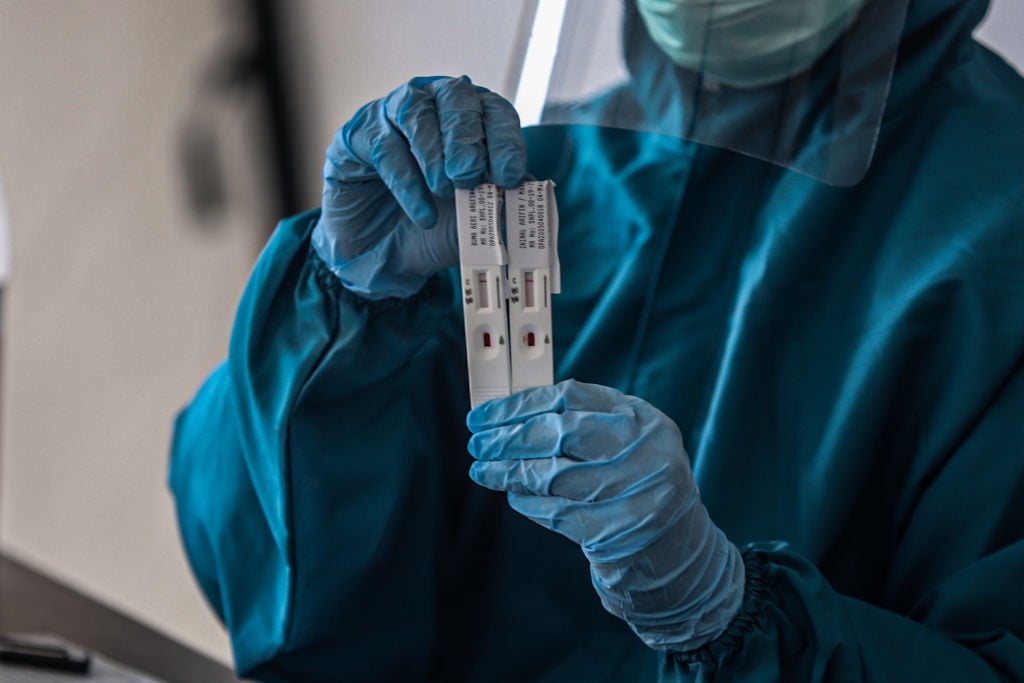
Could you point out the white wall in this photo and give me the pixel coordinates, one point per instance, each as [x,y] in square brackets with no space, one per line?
[353,52]
[5,246]
[118,305]
[1003,30]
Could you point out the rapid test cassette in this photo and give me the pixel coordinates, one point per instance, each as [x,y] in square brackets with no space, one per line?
[482,256]
[534,274]
[497,300]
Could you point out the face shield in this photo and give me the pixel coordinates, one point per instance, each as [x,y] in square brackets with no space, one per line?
[798,83]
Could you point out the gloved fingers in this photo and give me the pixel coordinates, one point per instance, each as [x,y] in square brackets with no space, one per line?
[608,530]
[540,437]
[412,111]
[625,475]
[552,512]
[525,477]
[568,518]
[560,398]
[506,147]
[343,164]
[425,252]
[576,434]
[370,139]
[460,114]
[558,476]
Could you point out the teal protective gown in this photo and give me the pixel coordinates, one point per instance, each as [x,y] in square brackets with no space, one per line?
[846,367]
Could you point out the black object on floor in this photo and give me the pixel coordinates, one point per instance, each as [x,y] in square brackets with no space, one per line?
[33,603]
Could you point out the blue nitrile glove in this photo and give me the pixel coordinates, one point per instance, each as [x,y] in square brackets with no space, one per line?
[388,219]
[609,471]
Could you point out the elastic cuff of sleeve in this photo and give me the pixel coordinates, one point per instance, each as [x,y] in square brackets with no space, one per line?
[329,282]
[750,617]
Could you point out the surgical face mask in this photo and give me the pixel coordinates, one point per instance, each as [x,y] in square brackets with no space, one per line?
[747,43]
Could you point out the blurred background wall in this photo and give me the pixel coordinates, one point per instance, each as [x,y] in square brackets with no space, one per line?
[119,301]
[1003,30]
[121,296]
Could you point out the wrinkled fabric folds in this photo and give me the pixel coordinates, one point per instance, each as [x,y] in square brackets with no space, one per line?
[845,365]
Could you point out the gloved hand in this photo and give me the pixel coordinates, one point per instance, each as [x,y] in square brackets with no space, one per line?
[388,219]
[609,471]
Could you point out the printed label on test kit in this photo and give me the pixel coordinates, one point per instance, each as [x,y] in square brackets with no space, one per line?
[532,225]
[478,212]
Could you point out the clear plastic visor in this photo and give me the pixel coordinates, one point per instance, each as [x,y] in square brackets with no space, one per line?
[799,83]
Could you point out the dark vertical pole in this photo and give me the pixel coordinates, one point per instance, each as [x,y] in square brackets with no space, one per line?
[271,58]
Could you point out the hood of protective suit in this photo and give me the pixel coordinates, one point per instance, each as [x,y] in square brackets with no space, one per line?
[956,17]
[936,31]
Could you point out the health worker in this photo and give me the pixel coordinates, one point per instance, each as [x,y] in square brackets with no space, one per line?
[787,438]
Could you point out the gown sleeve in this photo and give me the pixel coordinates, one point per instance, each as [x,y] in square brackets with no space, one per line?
[954,596]
[307,470]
